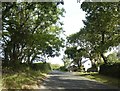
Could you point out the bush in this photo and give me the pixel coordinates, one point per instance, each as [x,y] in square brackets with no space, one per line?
[63,68]
[55,66]
[112,70]
[43,67]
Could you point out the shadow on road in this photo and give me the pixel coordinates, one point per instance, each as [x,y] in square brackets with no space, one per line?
[67,81]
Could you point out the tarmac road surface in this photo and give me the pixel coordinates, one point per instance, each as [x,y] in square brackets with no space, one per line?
[58,81]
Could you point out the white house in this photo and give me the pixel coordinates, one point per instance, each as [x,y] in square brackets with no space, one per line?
[86,63]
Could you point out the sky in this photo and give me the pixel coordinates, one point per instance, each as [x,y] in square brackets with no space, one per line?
[72,23]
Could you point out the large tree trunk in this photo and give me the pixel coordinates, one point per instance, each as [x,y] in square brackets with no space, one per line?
[103,42]
[105,60]
[6,60]
[78,65]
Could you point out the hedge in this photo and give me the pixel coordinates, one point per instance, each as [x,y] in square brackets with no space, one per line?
[43,67]
[63,68]
[112,70]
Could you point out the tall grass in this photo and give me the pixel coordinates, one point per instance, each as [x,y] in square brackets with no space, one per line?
[24,77]
[101,78]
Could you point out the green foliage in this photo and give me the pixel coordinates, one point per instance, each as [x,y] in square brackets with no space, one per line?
[101,25]
[112,58]
[55,66]
[70,51]
[66,61]
[63,68]
[19,80]
[24,76]
[101,78]
[101,30]
[30,29]
[76,54]
[43,67]
[110,70]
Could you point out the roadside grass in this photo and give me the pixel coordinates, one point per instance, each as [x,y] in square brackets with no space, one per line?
[55,66]
[23,80]
[0,82]
[23,76]
[101,78]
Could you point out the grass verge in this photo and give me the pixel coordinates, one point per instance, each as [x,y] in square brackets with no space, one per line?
[23,80]
[101,78]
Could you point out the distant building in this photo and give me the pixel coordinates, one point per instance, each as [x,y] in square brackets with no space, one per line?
[86,63]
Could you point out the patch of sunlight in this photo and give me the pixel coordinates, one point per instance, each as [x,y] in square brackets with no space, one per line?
[44,74]
[28,79]
[12,76]
[101,78]
[0,83]
[60,88]
[42,87]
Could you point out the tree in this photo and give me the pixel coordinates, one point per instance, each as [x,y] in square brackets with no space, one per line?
[101,25]
[71,52]
[83,47]
[76,55]
[31,29]
[66,61]
[112,58]
[101,29]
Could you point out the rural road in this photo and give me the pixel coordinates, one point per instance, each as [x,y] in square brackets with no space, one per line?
[58,81]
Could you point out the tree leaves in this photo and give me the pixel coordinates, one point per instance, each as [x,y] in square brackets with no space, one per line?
[102,19]
[31,29]
[101,29]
